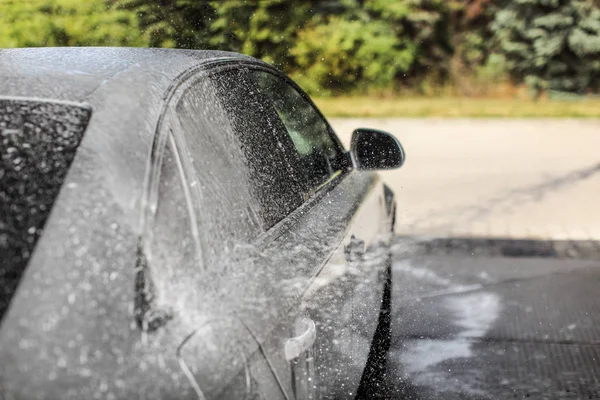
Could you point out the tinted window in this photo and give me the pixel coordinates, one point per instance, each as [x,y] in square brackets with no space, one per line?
[227,205]
[38,141]
[319,153]
[278,182]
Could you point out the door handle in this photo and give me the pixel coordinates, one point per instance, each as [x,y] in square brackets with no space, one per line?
[297,345]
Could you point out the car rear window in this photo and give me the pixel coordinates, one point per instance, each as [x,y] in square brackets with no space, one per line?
[38,141]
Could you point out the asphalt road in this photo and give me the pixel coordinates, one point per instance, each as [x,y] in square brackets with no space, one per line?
[468,322]
[467,327]
[528,178]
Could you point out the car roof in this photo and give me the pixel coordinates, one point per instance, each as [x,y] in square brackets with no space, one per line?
[75,73]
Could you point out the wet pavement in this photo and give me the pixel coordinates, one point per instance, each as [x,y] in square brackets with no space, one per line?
[501,178]
[493,327]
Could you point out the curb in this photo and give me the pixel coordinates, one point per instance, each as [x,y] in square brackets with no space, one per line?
[502,247]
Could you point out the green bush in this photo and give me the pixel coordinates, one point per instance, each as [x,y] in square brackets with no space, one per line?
[344,55]
[66,23]
[336,46]
[551,45]
[263,29]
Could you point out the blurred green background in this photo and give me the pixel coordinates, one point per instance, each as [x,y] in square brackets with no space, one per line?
[455,58]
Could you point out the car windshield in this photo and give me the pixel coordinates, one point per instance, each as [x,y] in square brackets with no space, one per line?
[38,141]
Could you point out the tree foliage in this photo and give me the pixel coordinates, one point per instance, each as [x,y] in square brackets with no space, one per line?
[328,45]
[372,44]
[264,29]
[344,54]
[33,23]
[551,44]
[333,46]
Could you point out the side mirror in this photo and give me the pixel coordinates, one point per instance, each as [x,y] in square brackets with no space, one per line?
[373,149]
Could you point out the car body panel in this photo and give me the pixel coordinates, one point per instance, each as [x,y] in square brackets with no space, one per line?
[71,329]
[341,295]
[347,296]
[302,272]
[83,269]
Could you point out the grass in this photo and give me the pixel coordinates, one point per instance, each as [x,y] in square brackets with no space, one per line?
[456,107]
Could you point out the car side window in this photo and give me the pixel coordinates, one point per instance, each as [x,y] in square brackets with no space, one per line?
[320,154]
[219,176]
[276,178]
[258,151]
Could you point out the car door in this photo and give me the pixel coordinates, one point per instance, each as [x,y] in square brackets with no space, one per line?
[344,293]
[319,261]
[271,272]
[268,213]
[197,210]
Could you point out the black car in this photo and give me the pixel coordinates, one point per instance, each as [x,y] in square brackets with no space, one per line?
[185,224]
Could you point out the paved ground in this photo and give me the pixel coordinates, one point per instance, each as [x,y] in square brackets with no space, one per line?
[494,178]
[467,327]
[470,321]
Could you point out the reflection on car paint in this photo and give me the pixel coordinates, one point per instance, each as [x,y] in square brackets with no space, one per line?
[190,373]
